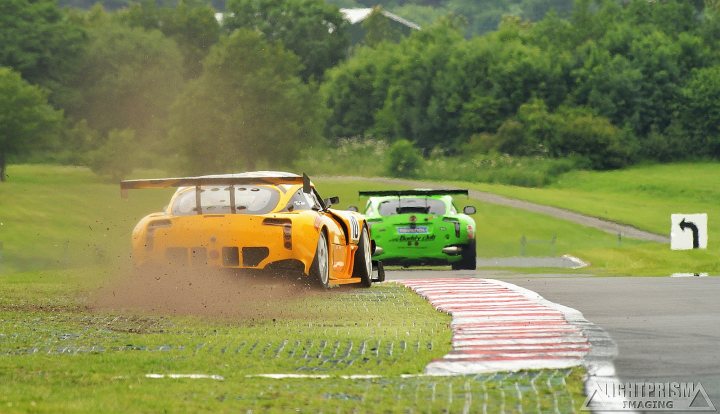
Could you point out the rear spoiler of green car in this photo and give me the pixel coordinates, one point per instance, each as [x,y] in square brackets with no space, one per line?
[398,193]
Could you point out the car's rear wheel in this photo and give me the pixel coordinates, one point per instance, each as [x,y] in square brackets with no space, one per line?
[363,260]
[469,260]
[320,267]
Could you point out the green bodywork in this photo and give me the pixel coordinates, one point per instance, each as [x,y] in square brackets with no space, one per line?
[415,229]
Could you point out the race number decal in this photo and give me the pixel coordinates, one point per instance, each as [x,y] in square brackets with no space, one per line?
[354,229]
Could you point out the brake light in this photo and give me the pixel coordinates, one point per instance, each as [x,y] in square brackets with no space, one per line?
[287,236]
[150,234]
[470,232]
[159,223]
[287,229]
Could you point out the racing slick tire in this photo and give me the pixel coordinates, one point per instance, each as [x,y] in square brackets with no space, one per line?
[468,261]
[363,260]
[320,267]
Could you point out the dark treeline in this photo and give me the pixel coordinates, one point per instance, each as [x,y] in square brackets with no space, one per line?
[164,84]
[611,85]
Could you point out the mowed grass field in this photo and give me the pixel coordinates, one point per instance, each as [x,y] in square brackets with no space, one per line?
[643,197]
[501,229]
[68,344]
[63,216]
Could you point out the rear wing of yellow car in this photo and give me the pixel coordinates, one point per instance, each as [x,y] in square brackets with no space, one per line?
[212,181]
[218,180]
[398,193]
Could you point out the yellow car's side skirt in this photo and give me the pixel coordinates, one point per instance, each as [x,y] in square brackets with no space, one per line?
[335,282]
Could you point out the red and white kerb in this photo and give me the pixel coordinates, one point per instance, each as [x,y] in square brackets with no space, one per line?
[497,326]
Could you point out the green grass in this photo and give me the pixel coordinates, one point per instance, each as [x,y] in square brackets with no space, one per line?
[56,355]
[643,197]
[55,217]
[63,217]
[65,233]
[500,228]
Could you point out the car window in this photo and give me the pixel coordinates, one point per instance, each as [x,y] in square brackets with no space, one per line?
[411,205]
[369,209]
[302,201]
[216,200]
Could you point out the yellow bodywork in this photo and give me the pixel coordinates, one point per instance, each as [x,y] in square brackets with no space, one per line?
[279,238]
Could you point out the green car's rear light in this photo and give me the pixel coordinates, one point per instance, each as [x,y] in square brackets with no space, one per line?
[456,223]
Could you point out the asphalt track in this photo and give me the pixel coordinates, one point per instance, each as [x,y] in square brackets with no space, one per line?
[667,329]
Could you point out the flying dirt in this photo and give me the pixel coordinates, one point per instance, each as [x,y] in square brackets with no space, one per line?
[201,291]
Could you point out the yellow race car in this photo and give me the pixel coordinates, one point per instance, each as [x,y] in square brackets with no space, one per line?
[255,220]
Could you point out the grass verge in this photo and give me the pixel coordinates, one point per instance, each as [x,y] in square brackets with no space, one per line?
[643,197]
[56,355]
[59,217]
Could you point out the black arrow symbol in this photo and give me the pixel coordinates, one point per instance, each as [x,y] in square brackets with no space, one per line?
[690,225]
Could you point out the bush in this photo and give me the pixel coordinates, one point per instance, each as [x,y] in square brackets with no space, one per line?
[352,156]
[404,160]
[578,132]
[369,157]
[115,158]
[569,132]
[533,171]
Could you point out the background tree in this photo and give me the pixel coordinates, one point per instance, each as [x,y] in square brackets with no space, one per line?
[38,41]
[26,119]
[129,78]
[248,107]
[190,23]
[700,115]
[379,28]
[117,156]
[312,29]
[86,4]
[610,84]
[413,108]
[356,89]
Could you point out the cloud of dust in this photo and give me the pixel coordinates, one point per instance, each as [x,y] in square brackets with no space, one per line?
[200,291]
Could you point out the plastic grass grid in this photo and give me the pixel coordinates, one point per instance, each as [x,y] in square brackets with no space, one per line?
[331,343]
[509,392]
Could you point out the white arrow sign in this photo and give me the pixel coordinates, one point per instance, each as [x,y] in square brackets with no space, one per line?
[688,231]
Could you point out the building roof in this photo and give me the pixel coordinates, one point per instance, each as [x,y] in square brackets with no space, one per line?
[355,16]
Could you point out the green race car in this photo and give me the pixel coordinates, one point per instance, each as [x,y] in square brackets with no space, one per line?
[421,227]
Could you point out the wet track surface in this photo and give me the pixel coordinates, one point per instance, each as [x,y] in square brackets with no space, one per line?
[666,329]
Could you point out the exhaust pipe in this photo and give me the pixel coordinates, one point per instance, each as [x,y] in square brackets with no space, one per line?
[452,250]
